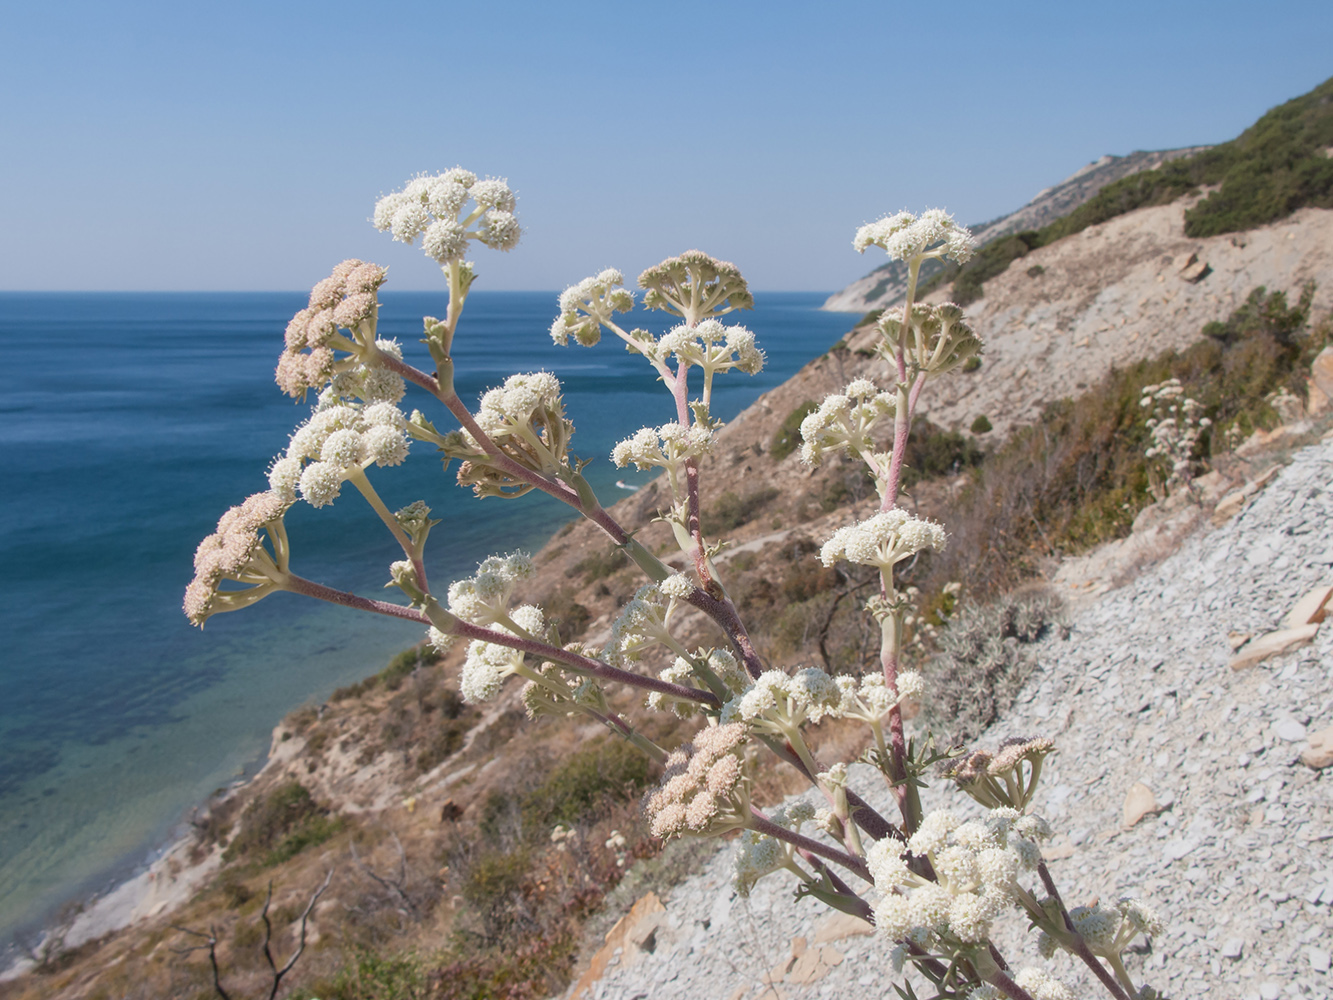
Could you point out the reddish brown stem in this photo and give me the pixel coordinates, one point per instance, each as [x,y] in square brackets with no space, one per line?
[1081,948]
[762,824]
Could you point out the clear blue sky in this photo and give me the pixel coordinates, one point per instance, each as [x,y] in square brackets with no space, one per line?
[242,145]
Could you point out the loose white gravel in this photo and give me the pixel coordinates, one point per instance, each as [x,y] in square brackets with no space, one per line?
[1239,861]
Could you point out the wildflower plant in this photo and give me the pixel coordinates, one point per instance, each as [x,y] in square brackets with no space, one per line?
[934,885]
[1175,422]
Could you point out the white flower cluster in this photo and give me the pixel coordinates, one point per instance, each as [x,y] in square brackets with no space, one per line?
[667,447]
[1107,930]
[758,854]
[780,704]
[344,301]
[488,664]
[719,661]
[1175,424]
[1039,984]
[586,306]
[234,552]
[430,207]
[935,339]
[643,621]
[703,788]
[845,421]
[976,865]
[337,441]
[906,237]
[525,418]
[883,540]
[523,403]
[484,598]
[711,345]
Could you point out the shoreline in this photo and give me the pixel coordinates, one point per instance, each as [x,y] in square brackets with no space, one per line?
[131,892]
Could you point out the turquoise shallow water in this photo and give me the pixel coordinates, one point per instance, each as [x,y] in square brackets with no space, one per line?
[132,422]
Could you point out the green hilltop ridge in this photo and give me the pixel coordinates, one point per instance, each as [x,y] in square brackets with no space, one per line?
[1279,164]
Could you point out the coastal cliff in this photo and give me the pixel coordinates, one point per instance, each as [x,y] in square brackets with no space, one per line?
[435,816]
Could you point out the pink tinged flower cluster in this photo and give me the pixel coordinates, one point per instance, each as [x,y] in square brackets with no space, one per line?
[235,552]
[702,790]
[340,316]
[430,208]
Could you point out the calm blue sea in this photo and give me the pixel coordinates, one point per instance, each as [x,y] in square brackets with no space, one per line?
[131,422]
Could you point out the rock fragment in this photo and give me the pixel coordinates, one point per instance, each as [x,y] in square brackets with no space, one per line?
[1273,643]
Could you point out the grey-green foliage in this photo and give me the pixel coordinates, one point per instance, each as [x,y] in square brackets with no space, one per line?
[985,656]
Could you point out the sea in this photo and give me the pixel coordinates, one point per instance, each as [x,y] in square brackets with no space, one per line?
[131,422]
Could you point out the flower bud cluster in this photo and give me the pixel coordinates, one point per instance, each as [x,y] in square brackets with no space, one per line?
[780,704]
[703,790]
[339,440]
[883,540]
[552,691]
[935,340]
[525,419]
[235,552]
[682,671]
[906,237]
[484,598]
[845,421]
[695,286]
[758,854]
[1175,424]
[586,306]
[711,345]
[667,447]
[976,865]
[643,623]
[431,207]
[1108,931]
[341,316]
[1008,778]
[488,663]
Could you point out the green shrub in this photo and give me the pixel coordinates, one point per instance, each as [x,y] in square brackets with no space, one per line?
[1270,170]
[981,425]
[610,770]
[983,663]
[570,616]
[1036,271]
[600,564]
[1077,476]
[374,975]
[280,824]
[788,436]
[934,452]
[729,511]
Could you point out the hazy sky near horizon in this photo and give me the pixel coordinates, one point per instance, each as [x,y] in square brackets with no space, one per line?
[171,146]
